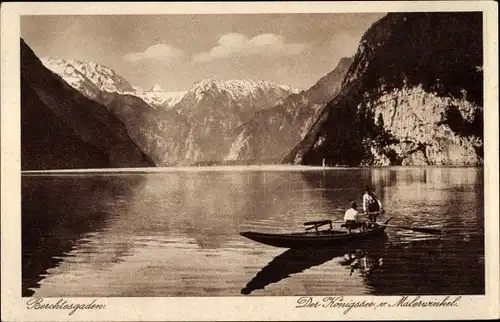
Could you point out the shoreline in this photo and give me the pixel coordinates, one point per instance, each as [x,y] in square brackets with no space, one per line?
[228,168]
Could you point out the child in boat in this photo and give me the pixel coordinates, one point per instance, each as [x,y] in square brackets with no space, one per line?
[352,218]
[371,205]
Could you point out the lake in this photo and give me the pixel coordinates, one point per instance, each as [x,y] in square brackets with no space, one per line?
[176,233]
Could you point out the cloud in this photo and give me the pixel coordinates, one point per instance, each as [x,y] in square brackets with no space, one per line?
[235,44]
[160,52]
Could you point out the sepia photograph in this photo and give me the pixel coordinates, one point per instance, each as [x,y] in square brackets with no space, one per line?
[324,157]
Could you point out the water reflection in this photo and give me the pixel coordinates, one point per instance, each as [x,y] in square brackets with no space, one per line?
[449,198]
[425,267]
[177,234]
[294,261]
[362,261]
[418,267]
[54,221]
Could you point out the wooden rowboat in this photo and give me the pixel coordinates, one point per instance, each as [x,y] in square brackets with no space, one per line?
[329,237]
[317,238]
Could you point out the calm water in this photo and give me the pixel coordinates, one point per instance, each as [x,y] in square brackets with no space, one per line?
[177,233]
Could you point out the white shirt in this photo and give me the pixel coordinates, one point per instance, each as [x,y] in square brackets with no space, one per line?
[351,214]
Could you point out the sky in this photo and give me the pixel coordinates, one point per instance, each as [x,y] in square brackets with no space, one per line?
[175,51]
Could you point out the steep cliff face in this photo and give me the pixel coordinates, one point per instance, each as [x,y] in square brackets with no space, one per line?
[272,133]
[412,96]
[60,128]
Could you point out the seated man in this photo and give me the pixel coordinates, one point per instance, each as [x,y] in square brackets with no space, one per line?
[352,218]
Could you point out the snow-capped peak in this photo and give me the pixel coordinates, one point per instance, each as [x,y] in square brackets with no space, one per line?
[238,89]
[159,98]
[90,78]
[240,85]
[156,88]
[245,95]
[77,73]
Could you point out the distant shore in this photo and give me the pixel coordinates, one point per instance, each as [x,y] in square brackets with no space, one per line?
[226,168]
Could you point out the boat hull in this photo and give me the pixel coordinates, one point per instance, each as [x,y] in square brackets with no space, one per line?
[319,239]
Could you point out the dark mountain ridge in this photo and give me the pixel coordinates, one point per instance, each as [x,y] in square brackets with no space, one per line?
[61,128]
[412,96]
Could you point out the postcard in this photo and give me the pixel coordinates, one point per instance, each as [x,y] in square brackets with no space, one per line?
[249,161]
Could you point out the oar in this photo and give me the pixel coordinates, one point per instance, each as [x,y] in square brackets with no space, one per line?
[417,229]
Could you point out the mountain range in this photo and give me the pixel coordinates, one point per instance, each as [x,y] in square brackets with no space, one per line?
[200,127]
[235,121]
[191,127]
[409,96]
[63,129]
[90,78]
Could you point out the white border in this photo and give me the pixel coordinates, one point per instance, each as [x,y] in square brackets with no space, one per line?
[229,308]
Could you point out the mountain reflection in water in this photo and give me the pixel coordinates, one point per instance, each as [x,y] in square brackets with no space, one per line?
[177,233]
[57,216]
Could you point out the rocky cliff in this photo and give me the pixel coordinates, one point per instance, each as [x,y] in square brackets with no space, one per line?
[61,128]
[273,132]
[412,96]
